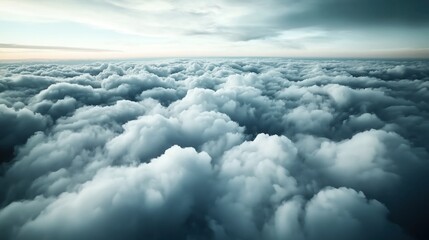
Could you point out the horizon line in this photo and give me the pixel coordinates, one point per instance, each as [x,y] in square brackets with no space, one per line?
[37,60]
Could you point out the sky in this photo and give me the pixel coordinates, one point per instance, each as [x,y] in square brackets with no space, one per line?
[96,29]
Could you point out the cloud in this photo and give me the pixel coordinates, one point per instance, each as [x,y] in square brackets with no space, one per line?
[233,20]
[215,149]
[365,12]
[61,48]
[173,188]
[17,126]
[254,179]
[355,217]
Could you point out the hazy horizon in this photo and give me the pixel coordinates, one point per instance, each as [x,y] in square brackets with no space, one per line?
[209,58]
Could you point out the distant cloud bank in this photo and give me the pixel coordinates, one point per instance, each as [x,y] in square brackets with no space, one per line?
[215,149]
[61,48]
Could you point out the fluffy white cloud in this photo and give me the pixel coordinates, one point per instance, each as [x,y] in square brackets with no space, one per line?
[214,149]
[347,214]
[253,179]
[132,201]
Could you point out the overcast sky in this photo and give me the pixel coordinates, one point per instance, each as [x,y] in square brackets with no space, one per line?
[70,29]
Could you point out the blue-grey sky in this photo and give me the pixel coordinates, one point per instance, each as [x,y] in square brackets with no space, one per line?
[67,29]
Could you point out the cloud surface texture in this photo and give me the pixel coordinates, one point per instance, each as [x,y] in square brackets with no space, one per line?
[215,149]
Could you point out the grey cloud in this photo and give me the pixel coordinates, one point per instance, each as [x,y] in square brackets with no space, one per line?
[355,217]
[212,132]
[215,149]
[17,127]
[354,12]
[254,179]
[35,47]
[240,20]
[276,16]
[173,188]
[84,94]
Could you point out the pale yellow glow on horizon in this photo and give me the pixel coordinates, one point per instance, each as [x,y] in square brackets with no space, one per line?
[28,55]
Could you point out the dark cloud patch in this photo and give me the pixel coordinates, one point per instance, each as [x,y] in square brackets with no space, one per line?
[215,149]
[84,94]
[337,13]
[17,127]
[270,19]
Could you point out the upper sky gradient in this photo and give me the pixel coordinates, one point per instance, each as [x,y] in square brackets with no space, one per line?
[96,29]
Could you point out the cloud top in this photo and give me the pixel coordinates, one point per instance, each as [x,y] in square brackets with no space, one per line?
[215,149]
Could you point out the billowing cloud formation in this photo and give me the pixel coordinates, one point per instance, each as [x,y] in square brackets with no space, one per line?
[215,149]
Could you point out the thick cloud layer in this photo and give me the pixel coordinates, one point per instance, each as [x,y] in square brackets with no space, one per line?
[215,149]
